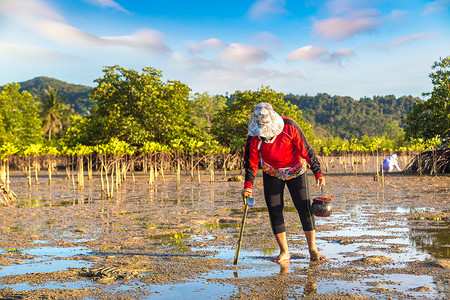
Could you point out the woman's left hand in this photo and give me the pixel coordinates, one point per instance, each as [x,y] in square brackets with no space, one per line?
[320,182]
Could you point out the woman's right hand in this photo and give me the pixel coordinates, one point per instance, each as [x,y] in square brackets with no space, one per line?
[246,193]
[320,182]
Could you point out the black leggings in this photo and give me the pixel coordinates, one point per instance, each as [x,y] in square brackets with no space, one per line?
[273,193]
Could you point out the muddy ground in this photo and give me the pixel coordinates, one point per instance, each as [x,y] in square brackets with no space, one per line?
[157,242]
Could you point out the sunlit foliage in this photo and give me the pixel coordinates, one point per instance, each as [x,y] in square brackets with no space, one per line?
[431,118]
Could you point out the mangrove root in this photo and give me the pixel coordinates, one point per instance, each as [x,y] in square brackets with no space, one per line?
[430,162]
[7,197]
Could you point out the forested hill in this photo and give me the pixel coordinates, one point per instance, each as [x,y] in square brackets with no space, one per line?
[77,96]
[347,118]
[334,116]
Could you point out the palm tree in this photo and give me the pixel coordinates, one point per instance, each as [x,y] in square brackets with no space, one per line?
[55,114]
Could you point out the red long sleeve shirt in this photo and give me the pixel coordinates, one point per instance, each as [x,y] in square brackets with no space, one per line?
[287,149]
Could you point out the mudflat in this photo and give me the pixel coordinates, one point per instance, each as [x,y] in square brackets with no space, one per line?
[382,241]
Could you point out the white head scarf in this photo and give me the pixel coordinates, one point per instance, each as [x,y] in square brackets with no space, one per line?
[265,122]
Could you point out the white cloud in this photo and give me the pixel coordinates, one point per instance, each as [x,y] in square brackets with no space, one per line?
[144,39]
[243,54]
[64,34]
[341,28]
[39,18]
[307,53]
[217,77]
[18,52]
[397,16]
[267,41]
[344,52]
[229,54]
[28,11]
[192,63]
[338,56]
[406,39]
[213,43]
[314,53]
[342,6]
[436,7]
[221,80]
[108,3]
[262,8]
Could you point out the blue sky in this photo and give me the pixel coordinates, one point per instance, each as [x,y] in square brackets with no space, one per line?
[341,47]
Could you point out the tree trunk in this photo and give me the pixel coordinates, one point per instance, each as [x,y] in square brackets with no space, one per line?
[211,170]
[29,171]
[50,171]
[36,170]
[178,174]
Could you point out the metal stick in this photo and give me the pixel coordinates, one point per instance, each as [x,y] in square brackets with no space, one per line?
[241,232]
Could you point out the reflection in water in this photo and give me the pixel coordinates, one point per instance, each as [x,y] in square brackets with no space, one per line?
[431,235]
[311,281]
[284,267]
[269,251]
[176,236]
[16,228]
[81,200]
[221,225]
[176,240]
[380,198]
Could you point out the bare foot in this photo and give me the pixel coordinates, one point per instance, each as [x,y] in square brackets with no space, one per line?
[283,257]
[316,256]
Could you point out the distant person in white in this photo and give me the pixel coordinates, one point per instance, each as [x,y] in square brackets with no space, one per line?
[391,162]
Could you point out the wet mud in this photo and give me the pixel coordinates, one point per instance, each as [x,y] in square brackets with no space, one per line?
[155,241]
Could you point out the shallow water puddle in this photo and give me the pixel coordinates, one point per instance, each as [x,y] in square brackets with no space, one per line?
[427,240]
[43,267]
[42,264]
[51,285]
[257,263]
[400,249]
[198,289]
[57,251]
[409,210]
[406,282]
[394,285]
[251,263]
